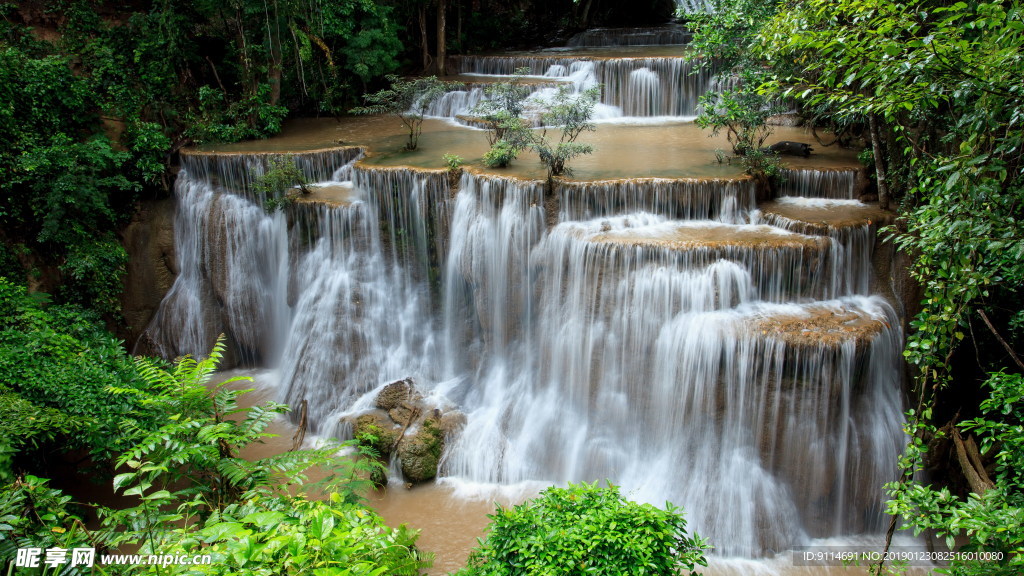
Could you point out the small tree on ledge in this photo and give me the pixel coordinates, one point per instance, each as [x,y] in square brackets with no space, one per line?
[572,113]
[407,99]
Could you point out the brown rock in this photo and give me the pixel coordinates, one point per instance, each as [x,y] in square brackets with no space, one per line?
[395,394]
[420,452]
[152,264]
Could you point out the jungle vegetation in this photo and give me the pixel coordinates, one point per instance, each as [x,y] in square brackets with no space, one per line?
[97,97]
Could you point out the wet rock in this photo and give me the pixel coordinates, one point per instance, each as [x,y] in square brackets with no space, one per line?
[790,148]
[394,394]
[420,453]
[405,424]
[152,265]
[451,423]
[377,431]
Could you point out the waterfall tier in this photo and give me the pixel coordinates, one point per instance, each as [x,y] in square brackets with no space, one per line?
[667,333]
[635,84]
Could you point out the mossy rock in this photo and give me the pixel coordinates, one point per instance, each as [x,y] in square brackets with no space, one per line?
[376,431]
[394,394]
[421,452]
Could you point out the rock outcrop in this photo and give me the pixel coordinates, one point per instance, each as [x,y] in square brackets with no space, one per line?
[404,424]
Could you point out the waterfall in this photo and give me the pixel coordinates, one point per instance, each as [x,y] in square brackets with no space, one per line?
[639,86]
[664,368]
[837,184]
[673,336]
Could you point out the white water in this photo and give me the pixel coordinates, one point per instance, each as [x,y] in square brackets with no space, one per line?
[656,333]
[632,87]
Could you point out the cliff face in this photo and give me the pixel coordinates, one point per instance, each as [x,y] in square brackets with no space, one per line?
[151,270]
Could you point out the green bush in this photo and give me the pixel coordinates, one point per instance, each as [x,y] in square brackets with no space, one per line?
[56,366]
[585,529]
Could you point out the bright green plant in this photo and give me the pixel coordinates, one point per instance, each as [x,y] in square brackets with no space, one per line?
[454,161]
[56,366]
[33,515]
[277,181]
[408,99]
[993,521]
[197,494]
[299,536]
[585,529]
[742,113]
[516,136]
[571,114]
[503,106]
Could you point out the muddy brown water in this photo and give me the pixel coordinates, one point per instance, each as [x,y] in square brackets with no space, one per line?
[621,150]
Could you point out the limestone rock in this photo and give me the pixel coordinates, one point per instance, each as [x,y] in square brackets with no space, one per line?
[379,426]
[394,394]
[405,424]
[152,265]
[421,452]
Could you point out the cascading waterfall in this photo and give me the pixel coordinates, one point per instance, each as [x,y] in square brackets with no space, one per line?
[648,364]
[837,184]
[628,83]
[687,199]
[670,335]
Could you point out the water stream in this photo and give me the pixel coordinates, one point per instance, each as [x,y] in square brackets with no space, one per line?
[649,323]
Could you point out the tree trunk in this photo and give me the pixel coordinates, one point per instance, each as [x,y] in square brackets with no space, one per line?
[970,463]
[442,43]
[876,148]
[425,41]
[276,66]
[585,18]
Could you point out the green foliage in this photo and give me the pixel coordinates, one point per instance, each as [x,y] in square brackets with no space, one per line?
[501,112]
[501,153]
[571,113]
[63,186]
[299,536]
[723,34]
[280,176]
[252,117]
[454,161]
[503,106]
[408,99]
[34,515]
[585,529]
[197,496]
[993,521]
[93,270]
[56,367]
[741,112]
[761,164]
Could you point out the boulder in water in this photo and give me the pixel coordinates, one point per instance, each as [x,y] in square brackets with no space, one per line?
[790,148]
[404,424]
[420,452]
[394,394]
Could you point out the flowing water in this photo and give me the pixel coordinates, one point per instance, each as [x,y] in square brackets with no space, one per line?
[649,323]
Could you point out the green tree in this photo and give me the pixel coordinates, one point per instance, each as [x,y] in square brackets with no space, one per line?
[742,112]
[408,99]
[571,114]
[585,529]
[938,86]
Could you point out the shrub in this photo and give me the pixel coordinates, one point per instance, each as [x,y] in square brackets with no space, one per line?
[585,529]
[407,99]
[572,113]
